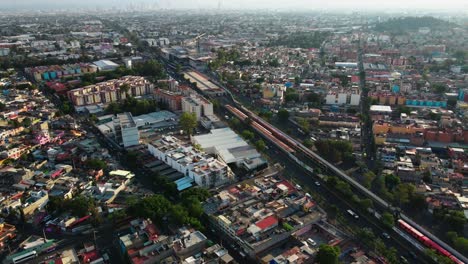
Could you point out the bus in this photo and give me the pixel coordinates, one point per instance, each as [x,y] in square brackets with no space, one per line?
[24,257]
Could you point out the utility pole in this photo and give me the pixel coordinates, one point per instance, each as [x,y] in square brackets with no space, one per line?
[43,233]
[94,235]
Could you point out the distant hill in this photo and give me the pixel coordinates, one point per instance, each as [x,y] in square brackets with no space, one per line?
[405,24]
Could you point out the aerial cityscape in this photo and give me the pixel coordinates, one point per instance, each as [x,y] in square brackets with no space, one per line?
[215,131]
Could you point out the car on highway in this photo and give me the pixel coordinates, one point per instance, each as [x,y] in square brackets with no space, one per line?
[353,214]
[317,183]
[386,235]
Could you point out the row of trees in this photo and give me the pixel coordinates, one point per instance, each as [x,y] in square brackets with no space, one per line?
[130,104]
[459,242]
[371,241]
[335,150]
[223,56]
[389,187]
[250,136]
[345,189]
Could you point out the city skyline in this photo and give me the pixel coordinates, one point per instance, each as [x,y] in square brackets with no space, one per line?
[380,5]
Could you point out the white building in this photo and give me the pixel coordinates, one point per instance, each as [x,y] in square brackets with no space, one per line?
[198,105]
[106,65]
[343,98]
[126,130]
[229,147]
[205,170]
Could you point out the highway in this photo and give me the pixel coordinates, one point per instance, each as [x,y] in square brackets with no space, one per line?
[325,164]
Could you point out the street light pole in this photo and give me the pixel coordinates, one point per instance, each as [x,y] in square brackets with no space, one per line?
[94,234]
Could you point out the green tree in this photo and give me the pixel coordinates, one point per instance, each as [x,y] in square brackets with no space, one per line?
[388,220]
[328,254]
[152,69]
[308,143]
[460,56]
[235,123]
[291,95]
[391,181]
[96,164]
[439,259]
[80,205]
[461,243]
[392,256]
[297,80]
[131,159]
[380,246]
[366,204]
[200,193]
[265,115]
[156,207]
[304,125]
[179,214]
[344,188]
[427,176]
[368,178]
[314,99]
[188,122]
[283,115]
[247,134]
[26,122]
[439,88]
[260,145]
[366,236]
[403,193]
[125,88]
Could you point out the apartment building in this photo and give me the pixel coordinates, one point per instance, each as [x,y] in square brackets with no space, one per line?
[343,98]
[172,100]
[198,105]
[53,72]
[110,91]
[205,170]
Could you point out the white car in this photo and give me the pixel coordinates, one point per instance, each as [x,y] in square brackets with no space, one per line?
[317,183]
[311,242]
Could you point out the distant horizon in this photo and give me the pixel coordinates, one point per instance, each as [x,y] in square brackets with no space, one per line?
[409,6]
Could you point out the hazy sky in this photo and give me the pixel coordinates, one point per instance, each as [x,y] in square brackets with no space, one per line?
[460,5]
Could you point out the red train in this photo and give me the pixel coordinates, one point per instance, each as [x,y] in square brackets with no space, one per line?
[427,241]
[261,128]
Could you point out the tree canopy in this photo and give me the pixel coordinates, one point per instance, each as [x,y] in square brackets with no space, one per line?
[188,122]
[132,105]
[305,40]
[283,115]
[335,150]
[328,254]
[404,24]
